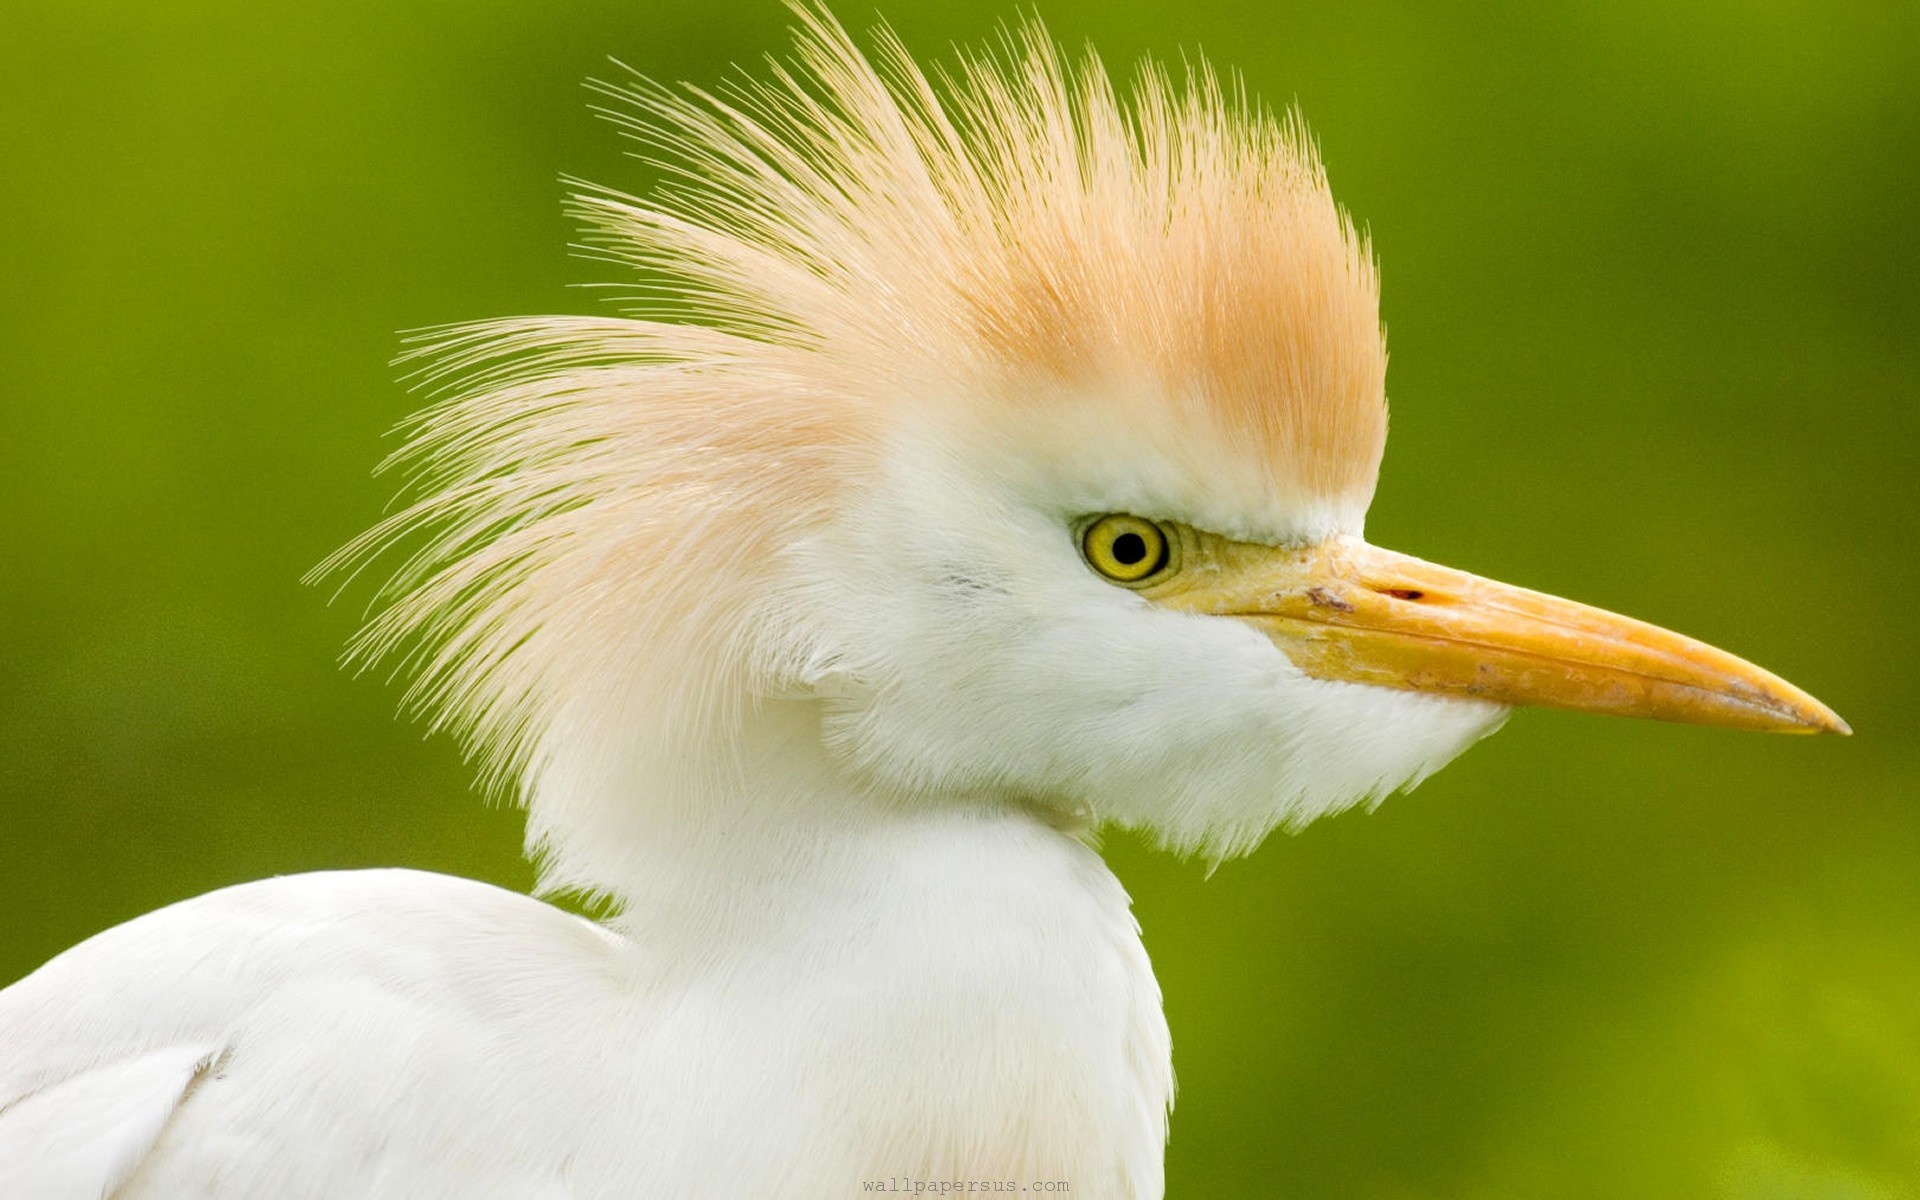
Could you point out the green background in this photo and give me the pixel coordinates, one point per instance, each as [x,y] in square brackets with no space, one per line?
[1653,277]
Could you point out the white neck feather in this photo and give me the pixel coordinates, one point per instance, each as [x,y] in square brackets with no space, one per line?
[951,989]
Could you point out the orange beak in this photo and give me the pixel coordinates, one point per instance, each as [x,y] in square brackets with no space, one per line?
[1345,610]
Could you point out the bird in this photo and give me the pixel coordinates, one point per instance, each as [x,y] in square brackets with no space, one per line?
[975,459]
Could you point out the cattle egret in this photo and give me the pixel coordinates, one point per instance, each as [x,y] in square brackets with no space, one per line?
[984,461]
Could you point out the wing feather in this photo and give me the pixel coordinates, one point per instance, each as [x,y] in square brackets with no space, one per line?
[369,1033]
[85,1136]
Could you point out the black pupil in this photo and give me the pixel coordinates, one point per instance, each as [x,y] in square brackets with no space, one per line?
[1129,548]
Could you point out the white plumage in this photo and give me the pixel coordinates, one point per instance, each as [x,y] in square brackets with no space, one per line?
[795,631]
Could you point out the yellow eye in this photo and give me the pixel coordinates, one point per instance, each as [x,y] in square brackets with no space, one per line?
[1125,549]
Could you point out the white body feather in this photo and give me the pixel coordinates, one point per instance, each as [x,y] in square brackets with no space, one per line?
[960,996]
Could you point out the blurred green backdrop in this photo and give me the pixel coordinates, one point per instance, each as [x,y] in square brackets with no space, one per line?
[1653,276]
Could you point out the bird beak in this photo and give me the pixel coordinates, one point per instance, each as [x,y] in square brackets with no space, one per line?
[1344,610]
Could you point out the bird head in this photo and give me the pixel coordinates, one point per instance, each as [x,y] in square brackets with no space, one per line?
[1008,437]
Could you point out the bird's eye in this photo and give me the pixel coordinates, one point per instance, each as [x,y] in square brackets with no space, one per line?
[1125,549]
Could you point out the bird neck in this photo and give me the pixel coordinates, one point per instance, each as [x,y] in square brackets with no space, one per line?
[728,840]
[958,964]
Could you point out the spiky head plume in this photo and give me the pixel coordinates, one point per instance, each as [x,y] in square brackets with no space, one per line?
[840,249]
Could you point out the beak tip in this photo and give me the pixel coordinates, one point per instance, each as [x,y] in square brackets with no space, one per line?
[1815,717]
